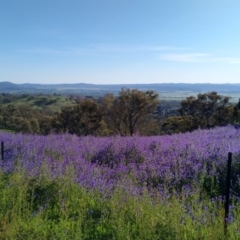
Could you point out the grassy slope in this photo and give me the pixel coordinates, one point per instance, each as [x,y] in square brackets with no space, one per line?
[45,208]
[35,102]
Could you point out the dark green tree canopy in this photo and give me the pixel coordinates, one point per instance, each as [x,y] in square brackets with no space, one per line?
[125,113]
[207,110]
[82,119]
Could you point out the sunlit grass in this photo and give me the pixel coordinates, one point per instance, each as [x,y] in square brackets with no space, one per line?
[39,208]
[169,187]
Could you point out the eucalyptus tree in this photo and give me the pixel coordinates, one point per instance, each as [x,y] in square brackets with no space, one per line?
[207,110]
[125,114]
[82,119]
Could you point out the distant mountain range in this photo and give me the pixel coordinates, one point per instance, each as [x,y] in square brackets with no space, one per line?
[166,90]
[199,87]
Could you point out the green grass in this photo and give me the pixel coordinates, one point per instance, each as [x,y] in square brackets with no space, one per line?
[55,103]
[40,208]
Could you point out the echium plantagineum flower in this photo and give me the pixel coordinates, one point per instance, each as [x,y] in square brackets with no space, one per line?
[136,162]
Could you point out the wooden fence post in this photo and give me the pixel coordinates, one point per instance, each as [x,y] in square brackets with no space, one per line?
[2,150]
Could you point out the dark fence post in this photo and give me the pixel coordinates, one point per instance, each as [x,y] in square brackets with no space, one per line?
[2,150]
[228,185]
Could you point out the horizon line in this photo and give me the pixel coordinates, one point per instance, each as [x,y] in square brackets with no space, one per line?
[120,83]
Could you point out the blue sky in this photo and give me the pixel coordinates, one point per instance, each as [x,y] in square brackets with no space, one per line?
[120,41]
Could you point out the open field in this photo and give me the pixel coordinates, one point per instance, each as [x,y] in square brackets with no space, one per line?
[54,103]
[167,91]
[168,187]
[181,95]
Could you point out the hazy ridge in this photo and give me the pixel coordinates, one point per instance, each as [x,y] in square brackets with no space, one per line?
[171,91]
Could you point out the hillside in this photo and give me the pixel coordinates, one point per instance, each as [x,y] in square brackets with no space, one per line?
[53,103]
[172,91]
[171,186]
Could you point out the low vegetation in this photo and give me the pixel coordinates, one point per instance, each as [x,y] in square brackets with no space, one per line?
[166,187]
[132,111]
[60,179]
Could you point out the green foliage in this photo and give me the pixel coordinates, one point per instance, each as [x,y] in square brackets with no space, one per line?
[34,208]
[131,112]
[125,114]
[236,113]
[40,101]
[82,119]
[30,113]
[35,125]
[21,118]
[207,110]
[177,124]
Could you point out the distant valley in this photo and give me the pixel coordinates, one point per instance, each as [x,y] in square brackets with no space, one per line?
[167,91]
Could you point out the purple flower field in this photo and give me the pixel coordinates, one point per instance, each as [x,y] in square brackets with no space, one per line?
[176,162]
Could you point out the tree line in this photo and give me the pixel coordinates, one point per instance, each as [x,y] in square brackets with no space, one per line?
[132,111]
